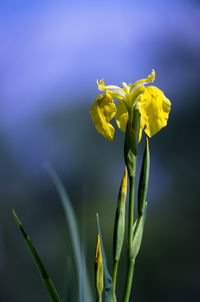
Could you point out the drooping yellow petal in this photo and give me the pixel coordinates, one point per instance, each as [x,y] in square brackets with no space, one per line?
[154,109]
[121,116]
[102,111]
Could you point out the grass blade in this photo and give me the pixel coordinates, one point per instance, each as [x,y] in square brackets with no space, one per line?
[85,293]
[45,277]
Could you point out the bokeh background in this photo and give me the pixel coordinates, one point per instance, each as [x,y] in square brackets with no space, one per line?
[51,54]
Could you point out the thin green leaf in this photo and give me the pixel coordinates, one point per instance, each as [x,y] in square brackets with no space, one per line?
[109,294]
[85,293]
[144,179]
[45,277]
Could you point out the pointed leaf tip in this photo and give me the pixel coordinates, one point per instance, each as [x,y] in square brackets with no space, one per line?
[49,284]
[16,217]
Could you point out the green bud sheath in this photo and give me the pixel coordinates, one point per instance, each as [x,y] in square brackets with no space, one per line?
[144,179]
[138,233]
[131,141]
[120,218]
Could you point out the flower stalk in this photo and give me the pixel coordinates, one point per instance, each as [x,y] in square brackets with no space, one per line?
[139,109]
[130,156]
[135,238]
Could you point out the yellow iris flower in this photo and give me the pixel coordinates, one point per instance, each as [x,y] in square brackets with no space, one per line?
[153,105]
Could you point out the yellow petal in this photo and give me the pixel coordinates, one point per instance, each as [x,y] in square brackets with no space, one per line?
[149,79]
[102,111]
[154,109]
[121,116]
[101,85]
[138,87]
[115,91]
[142,124]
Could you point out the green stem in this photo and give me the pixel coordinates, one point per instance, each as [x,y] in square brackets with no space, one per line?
[131,262]
[114,277]
[99,298]
[131,211]
[129,279]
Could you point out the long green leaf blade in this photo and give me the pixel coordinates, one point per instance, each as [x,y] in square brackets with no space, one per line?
[85,293]
[45,277]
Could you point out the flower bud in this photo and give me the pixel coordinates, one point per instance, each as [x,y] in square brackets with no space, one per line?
[120,218]
[98,268]
[144,178]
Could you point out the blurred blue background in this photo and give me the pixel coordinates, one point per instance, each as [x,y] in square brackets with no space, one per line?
[51,54]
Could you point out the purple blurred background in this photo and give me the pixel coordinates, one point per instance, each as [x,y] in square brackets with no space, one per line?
[51,55]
